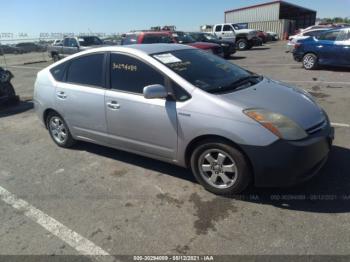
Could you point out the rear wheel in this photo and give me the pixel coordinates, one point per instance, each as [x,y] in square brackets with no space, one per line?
[220,168]
[59,131]
[310,61]
[55,57]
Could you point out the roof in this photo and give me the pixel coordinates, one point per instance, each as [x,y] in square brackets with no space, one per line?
[157,48]
[268,3]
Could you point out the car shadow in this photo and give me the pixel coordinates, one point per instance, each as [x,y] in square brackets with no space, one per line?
[335,69]
[20,107]
[328,192]
[140,161]
[234,57]
[260,48]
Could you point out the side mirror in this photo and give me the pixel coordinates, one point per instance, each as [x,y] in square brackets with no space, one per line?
[155,91]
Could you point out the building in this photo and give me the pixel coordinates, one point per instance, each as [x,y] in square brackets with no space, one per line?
[277,16]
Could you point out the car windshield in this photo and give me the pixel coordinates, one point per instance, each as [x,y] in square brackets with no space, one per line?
[183,38]
[89,41]
[206,71]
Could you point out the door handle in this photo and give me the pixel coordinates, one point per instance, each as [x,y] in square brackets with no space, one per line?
[61,95]
[113,105]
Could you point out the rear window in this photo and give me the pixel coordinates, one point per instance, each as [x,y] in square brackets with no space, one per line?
[58,72]
[86,70]
[90,41]
[153,39]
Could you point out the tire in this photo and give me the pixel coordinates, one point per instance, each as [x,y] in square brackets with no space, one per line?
[59,133]
[209,154]
[242,44]
[55,57]
[310,61]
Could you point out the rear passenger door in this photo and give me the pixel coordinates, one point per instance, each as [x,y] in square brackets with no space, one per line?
[80,97]
[137,124]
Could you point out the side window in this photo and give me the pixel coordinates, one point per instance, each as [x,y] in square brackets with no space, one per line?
[58,71]
[330,36]
[66,42]
[218,28]
[72,42]
[227,28]
[132,75]
[87,70]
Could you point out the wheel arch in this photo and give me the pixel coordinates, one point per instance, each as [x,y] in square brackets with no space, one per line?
[200,139]
[46,114]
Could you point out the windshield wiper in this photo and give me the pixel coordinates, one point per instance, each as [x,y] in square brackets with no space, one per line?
[236,84]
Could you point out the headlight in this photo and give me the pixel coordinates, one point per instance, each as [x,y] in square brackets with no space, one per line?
[278,124]
[225,45]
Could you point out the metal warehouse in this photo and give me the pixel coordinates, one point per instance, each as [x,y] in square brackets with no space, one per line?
[277,16]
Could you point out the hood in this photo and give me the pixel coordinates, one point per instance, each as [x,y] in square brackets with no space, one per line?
[203,45]
[280,98]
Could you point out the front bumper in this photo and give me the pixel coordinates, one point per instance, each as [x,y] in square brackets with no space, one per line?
[287,163]
[298,55]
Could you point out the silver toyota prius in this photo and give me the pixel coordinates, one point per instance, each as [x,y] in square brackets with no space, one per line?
[188,107]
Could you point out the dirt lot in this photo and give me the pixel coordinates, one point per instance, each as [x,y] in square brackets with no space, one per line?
[130,205]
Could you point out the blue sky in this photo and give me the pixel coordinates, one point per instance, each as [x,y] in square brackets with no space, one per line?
[64,16]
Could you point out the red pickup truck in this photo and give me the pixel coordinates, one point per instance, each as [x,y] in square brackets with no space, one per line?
[152,37]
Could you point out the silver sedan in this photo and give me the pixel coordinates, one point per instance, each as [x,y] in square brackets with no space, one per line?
[185,106]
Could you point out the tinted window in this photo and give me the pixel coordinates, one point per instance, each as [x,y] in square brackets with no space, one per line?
[90,41]
[129,40]
[179,93]
[70,42]
[58,71]
[152,39]
[218,28]
[227,28]
[87,70]
[314,33]
[132,75]
[330,36]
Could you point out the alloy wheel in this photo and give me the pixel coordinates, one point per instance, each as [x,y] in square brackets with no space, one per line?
[58,130]
[218,168]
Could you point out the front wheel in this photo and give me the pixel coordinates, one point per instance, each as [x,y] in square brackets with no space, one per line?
[220,168]
[310,61]
[242,44]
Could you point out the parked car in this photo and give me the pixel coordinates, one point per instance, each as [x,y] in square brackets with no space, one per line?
[30,47]
[244,38]
[330,48]
[170,37]
[72,45]
[272,36]
[303,35]
[7,49]
[263,36]
[180,105]
[229,48]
